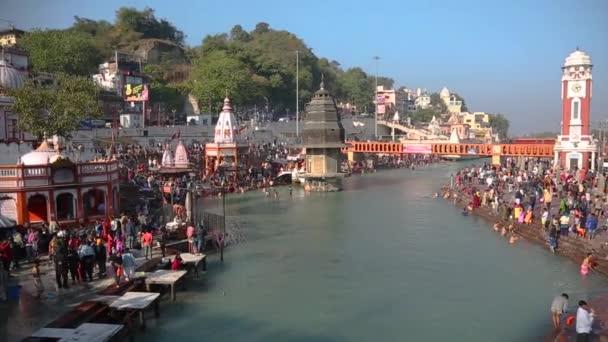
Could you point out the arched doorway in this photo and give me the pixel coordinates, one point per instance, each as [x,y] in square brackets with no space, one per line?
[65,206]
[37,208]
[94,202]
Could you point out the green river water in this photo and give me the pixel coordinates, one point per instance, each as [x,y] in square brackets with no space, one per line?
[381,261]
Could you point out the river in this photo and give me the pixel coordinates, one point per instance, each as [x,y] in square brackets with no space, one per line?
[382,260]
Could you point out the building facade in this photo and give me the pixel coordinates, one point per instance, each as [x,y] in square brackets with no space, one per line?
[47,185]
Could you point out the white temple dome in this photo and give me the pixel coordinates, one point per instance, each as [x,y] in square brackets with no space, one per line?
[10,78]
[444,92]
[578,57]
[226,129]
[43,155]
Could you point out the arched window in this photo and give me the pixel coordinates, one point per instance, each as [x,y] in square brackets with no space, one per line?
[576,109]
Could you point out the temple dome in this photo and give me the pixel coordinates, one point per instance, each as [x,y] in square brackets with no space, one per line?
[43,155]
[578,57]
[10,78]
[226,129]
[181,155]
[444,92]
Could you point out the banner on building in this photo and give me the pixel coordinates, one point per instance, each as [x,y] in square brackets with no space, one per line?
[381,109]
[417,148]
[135,90]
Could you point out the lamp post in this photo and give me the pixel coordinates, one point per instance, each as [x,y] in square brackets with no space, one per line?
[173,111]
[149,110]
[297,93]
[223,233]
[376,58]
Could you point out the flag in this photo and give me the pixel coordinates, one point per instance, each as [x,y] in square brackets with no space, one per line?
[173,136]
[179,133]
[144,94]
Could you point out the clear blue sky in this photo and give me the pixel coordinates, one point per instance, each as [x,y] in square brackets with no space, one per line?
[501,56]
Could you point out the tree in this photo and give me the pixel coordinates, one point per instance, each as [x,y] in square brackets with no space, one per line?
[146,23]
[217,73]
[358,88]
[424,115]
[464,104]
[238,34]
[261,28]
[56,109]
[386,82]
[438,103]
[499,125]
[57,51]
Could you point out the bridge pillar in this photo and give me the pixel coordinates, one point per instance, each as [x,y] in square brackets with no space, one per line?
[351,156]
[496,152]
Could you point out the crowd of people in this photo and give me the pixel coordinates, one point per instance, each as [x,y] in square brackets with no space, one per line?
[566,202]
[80,255]
[562,203]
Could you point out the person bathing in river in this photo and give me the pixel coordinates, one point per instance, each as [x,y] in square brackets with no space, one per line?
[587,264]
[496,226]
[503,231]
[512,238]
[559,306]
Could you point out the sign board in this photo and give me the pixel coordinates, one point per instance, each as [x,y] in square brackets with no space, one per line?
[135,89]
[381,109]
[417,148]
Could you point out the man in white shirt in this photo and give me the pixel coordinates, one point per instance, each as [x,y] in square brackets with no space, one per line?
[584,320]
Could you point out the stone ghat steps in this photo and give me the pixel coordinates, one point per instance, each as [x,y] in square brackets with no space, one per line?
[572,246]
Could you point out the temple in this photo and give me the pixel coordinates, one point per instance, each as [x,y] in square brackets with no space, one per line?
[227,149]
[323,137]
[51,184]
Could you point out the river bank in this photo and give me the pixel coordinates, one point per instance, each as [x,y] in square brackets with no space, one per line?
[572,247]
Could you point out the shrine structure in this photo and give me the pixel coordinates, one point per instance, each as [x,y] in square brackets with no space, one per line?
[48,184]
[227,149]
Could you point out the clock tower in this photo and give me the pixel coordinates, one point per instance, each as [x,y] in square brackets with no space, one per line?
[575,147]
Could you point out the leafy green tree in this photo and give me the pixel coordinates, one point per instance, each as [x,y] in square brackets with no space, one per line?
[55,109]
[358,88]
[438,103]
[386,82]
[423,115]
[464,104]
[217,73]
[146,23]
[261,28]
[500,125]
[238,34]
[57,51]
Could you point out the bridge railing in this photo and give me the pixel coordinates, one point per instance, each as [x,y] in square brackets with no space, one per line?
[508,150]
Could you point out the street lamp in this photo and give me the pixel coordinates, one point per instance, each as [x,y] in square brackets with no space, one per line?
[173,111]
[223,233]
[376,58]
[297,93]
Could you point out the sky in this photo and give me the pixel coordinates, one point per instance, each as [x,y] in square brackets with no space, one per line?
[501,56]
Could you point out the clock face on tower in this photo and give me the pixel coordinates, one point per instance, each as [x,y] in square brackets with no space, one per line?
[576,87]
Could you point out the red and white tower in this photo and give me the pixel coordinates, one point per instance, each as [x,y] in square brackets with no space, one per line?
[575,147]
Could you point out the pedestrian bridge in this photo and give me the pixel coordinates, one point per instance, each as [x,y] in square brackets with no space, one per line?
[440,148]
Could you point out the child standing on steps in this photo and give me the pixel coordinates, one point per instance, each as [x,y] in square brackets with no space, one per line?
[36,274]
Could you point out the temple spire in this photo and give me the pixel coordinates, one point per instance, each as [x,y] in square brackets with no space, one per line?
[322,81]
